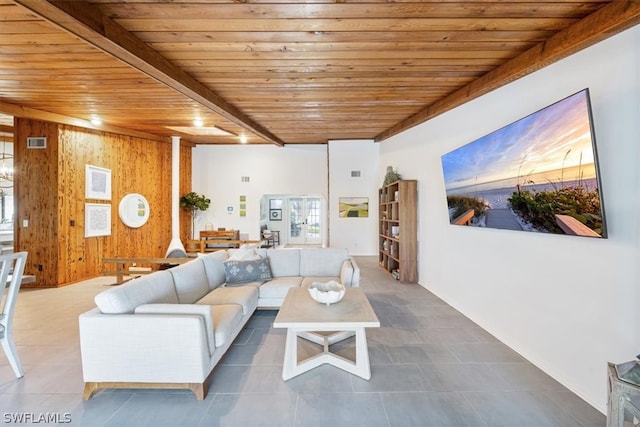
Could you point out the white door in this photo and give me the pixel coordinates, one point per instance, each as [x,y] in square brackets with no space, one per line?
[305,218]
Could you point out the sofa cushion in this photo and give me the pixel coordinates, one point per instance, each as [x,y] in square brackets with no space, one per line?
[190,281]
[322,261]
[350,274]
[284,262]
[244,296]
[153,288]
[243,253]
[247,271]
[226,318]
[214,267]
[278,287]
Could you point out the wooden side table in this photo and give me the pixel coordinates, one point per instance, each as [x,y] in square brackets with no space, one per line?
[214,240]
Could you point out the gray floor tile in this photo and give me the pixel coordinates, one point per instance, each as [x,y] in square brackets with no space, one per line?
[448,320]
[462,377]
[247,379]
[255,410]
[525,376]
[340,410]
[159,410]
[495,352]
[455,335]
[392,336]
[404,321]
[323,379]
[435,409]
[388,378]
[420,353]
[585,414]
[519,408]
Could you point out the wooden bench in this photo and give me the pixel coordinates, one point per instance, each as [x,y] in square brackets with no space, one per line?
[572,226]
[464,219]
[120,270]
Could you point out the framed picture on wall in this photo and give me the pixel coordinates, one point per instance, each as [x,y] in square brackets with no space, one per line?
[275,204]
[275,214]
[97,220]
[353,207]
[97,183]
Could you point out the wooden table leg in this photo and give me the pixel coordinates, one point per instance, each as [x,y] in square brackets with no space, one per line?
[119,273]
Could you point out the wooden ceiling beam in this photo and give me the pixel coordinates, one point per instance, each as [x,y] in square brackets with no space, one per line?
[86,21]
[605,22]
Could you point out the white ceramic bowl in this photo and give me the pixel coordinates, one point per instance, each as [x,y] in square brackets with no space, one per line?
[327,293]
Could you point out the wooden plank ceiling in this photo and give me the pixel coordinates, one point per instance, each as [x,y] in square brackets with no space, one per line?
[285,72]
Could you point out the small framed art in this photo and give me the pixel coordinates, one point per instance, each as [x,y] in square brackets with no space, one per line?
[275,214]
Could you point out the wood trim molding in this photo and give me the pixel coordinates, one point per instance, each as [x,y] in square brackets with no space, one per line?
[6,129]
[86,21]
[611,19]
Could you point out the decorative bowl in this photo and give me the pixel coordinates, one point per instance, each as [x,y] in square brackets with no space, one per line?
[327,293]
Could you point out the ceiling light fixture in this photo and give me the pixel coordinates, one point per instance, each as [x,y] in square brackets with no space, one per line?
[96,121]
[243,139]
[198,123]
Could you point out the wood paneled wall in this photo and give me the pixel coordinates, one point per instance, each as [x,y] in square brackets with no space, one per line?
[50,194]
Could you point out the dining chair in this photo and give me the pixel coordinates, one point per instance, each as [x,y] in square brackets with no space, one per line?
[11,270]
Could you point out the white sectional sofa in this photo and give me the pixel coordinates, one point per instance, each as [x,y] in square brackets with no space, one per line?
[170,328]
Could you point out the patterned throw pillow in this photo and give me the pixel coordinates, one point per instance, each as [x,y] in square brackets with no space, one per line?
[237,271]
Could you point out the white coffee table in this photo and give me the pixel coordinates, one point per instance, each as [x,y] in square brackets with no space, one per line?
[303,317]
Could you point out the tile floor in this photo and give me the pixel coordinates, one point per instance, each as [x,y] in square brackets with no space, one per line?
[431,366]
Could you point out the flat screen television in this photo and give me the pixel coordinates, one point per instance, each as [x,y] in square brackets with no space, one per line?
[538,174]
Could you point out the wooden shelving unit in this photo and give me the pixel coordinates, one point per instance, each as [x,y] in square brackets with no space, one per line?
[397,230]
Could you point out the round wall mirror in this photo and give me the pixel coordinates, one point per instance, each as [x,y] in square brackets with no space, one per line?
[134,210]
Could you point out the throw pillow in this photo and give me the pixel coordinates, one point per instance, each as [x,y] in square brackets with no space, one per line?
[236,271]
[244,253]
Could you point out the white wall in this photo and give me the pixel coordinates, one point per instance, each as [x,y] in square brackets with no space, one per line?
[359,235]
[217,173]
[568,304]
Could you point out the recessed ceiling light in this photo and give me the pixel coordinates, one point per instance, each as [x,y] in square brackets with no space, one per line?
[243,139]
[198,123]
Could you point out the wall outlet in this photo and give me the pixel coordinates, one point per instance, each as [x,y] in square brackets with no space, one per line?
[25,223]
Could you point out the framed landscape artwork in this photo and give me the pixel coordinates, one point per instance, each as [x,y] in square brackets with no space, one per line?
[537,174]
[353,207]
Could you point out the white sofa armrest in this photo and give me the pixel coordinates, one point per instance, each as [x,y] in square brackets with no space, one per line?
[198,309]
[350,273]
[144,347]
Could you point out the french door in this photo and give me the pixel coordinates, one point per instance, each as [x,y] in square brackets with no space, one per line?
[305,217]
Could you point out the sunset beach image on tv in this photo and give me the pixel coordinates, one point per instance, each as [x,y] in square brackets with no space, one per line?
[537,174]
